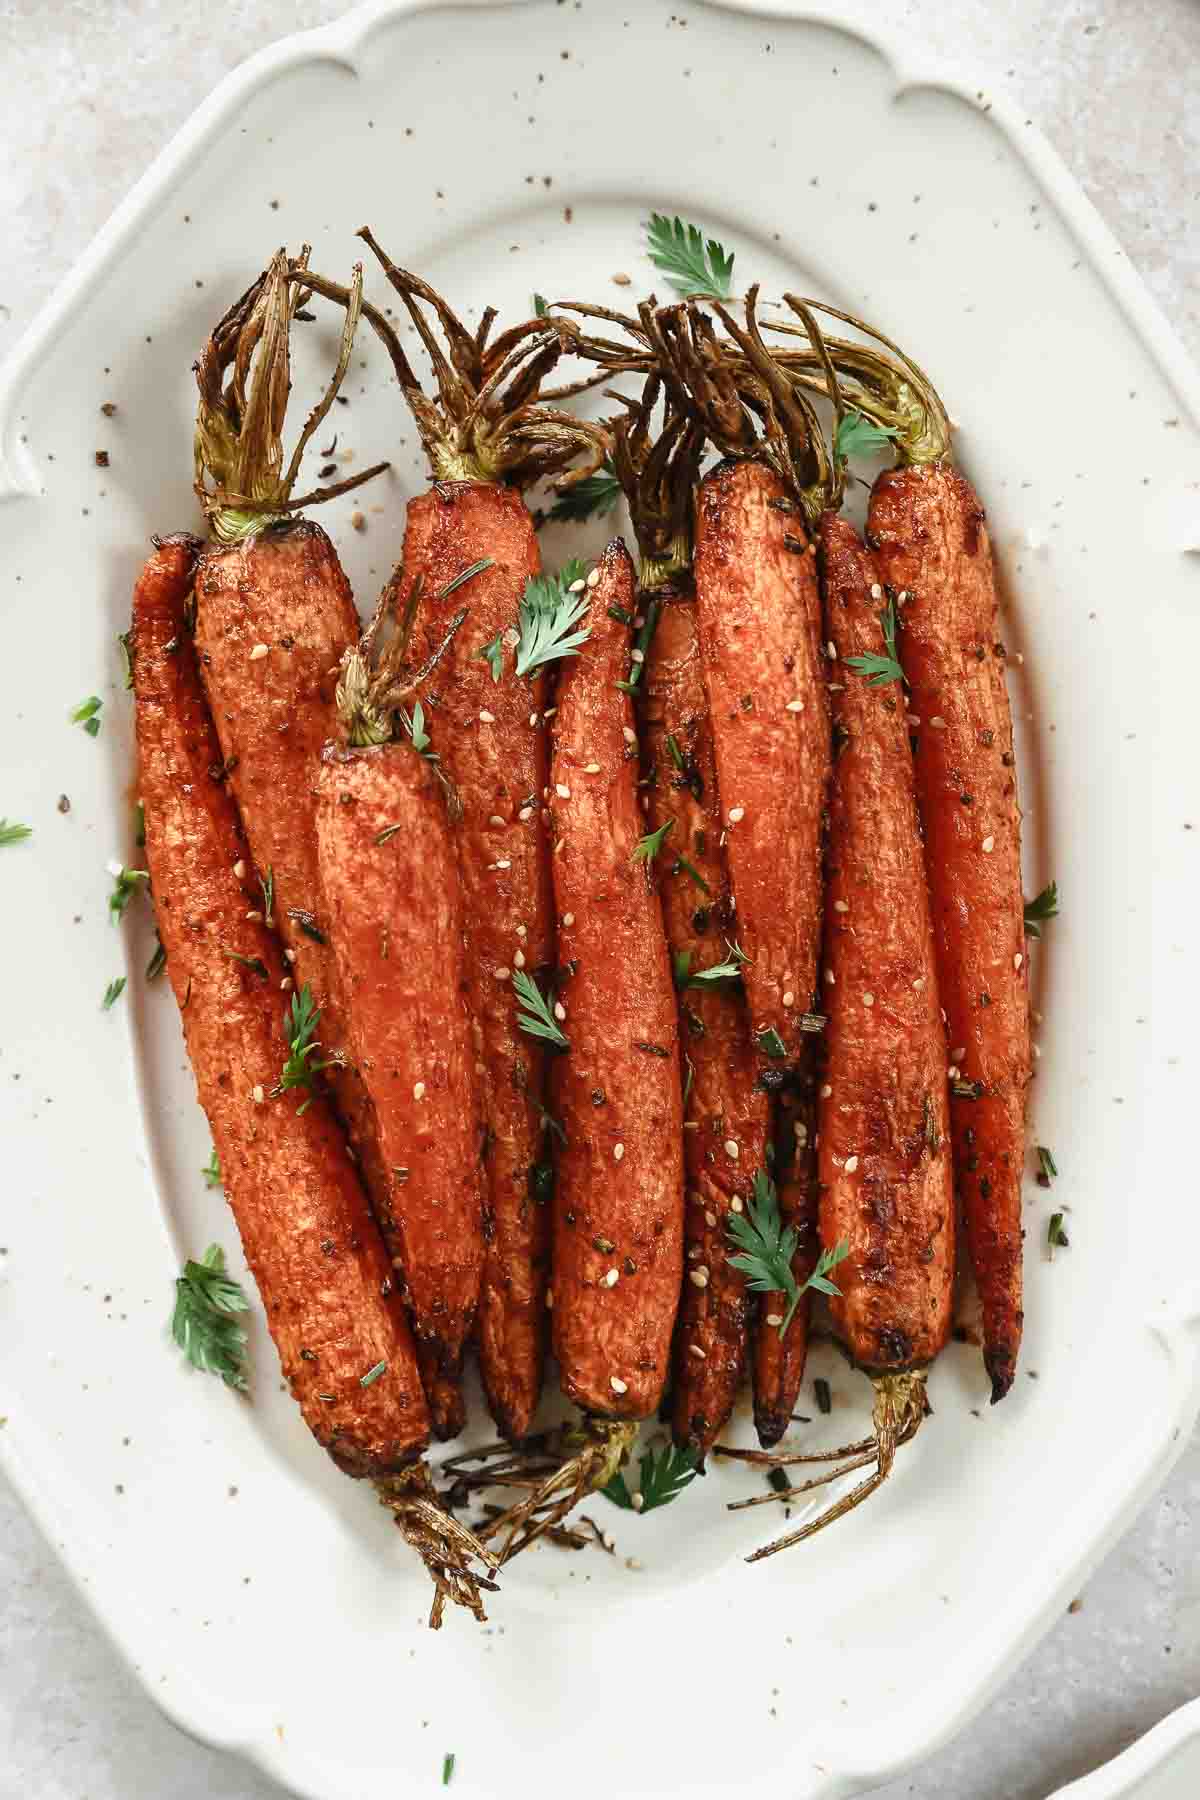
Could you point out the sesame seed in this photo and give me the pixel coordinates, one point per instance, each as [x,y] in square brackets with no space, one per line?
[919,984]
[830,977]
[525,814]
[533,718]
[612,1278]
[774,1318]
[258,652]
[549,712]
[522,931]
[698,1277]
[912,718]
[801,1131]
[826,1091]
[495,819]
[789,999]
[868,999]
[831,650]
[952,1072]
[254,917]
[851,1164]
[795,706]
[736,814]
[519,960]
[988,845]
[695,1350]
[593,577]
[617,1385]
[735,1203]
[937,723]
[504,862]
[637,1501]
[618,1152]
[419,1091]
[501,974]
[562,790]
[695,1252]
[876,591]
[568,919]
[637,656]
[257,1095]
[591,768]
[560,1011]
[487,718]
[959,1055]
[287,984]
[576,587]
[239,870]
[732,1148]
[841,906]
[629,734]
[710,1219]
[550,1298]
[1018,959]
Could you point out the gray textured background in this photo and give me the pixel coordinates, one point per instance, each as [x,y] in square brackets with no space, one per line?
[89,91]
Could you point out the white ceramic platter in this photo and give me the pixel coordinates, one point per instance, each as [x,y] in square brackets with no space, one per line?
[502,148]
[1164,1765]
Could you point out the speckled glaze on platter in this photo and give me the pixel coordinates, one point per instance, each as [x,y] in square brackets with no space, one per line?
[1163,1765]
[502,149]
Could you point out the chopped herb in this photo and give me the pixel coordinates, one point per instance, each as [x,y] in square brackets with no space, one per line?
[448,1759]
[691,265]
[647,848]
[681,864]
[770,1042]
[813,1022]
[686,978]
[212,1170]
[662,1477]
[966,1090]
[139,826]
[1056,1237]
[822,1395]
[644,639]
[541,1183]
[372,1374]
[860,436]
[768,1246]
[777,1480]
[1042,907]
[87,714]
[123,638]
[203,1324]
[688,1079]
[540,309]
[157,963]
[1047,1167]
[546,617]
[881,669]
[255,964]
[299,1029]
[307,923]
[619,614]
[12,833]
[465,575]
[414,724]
[493,655]
[112,992]
[592,498]
[389,831]
[650,1049]
[268,894]
[126,883]
[534,1015]
[676,754]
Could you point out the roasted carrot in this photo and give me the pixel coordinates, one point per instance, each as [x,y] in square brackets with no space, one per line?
[321,1268]
[487,436]
[618,1238]
[391,894]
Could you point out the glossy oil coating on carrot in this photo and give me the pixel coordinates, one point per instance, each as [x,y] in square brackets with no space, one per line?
[314,1250]
[933,547]
[781,1352]
[759,612]
[274,616]
[884,1156]
[498,760]
[618,1209]
[389,880]
[726,1114]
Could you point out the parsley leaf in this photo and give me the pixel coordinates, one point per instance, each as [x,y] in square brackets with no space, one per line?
[493,655]
[87,714]
[881,669]
[126,883]
[690,264]
[212,1170]
[540,309]
[662,1477]
[300,1024]
[1043,906]
[859,436]
[203,1324]
[13,833]
[548,612]
[592,498]
[686,978]
[112,993]
[768,1246]
[534,1015]
[647,848]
